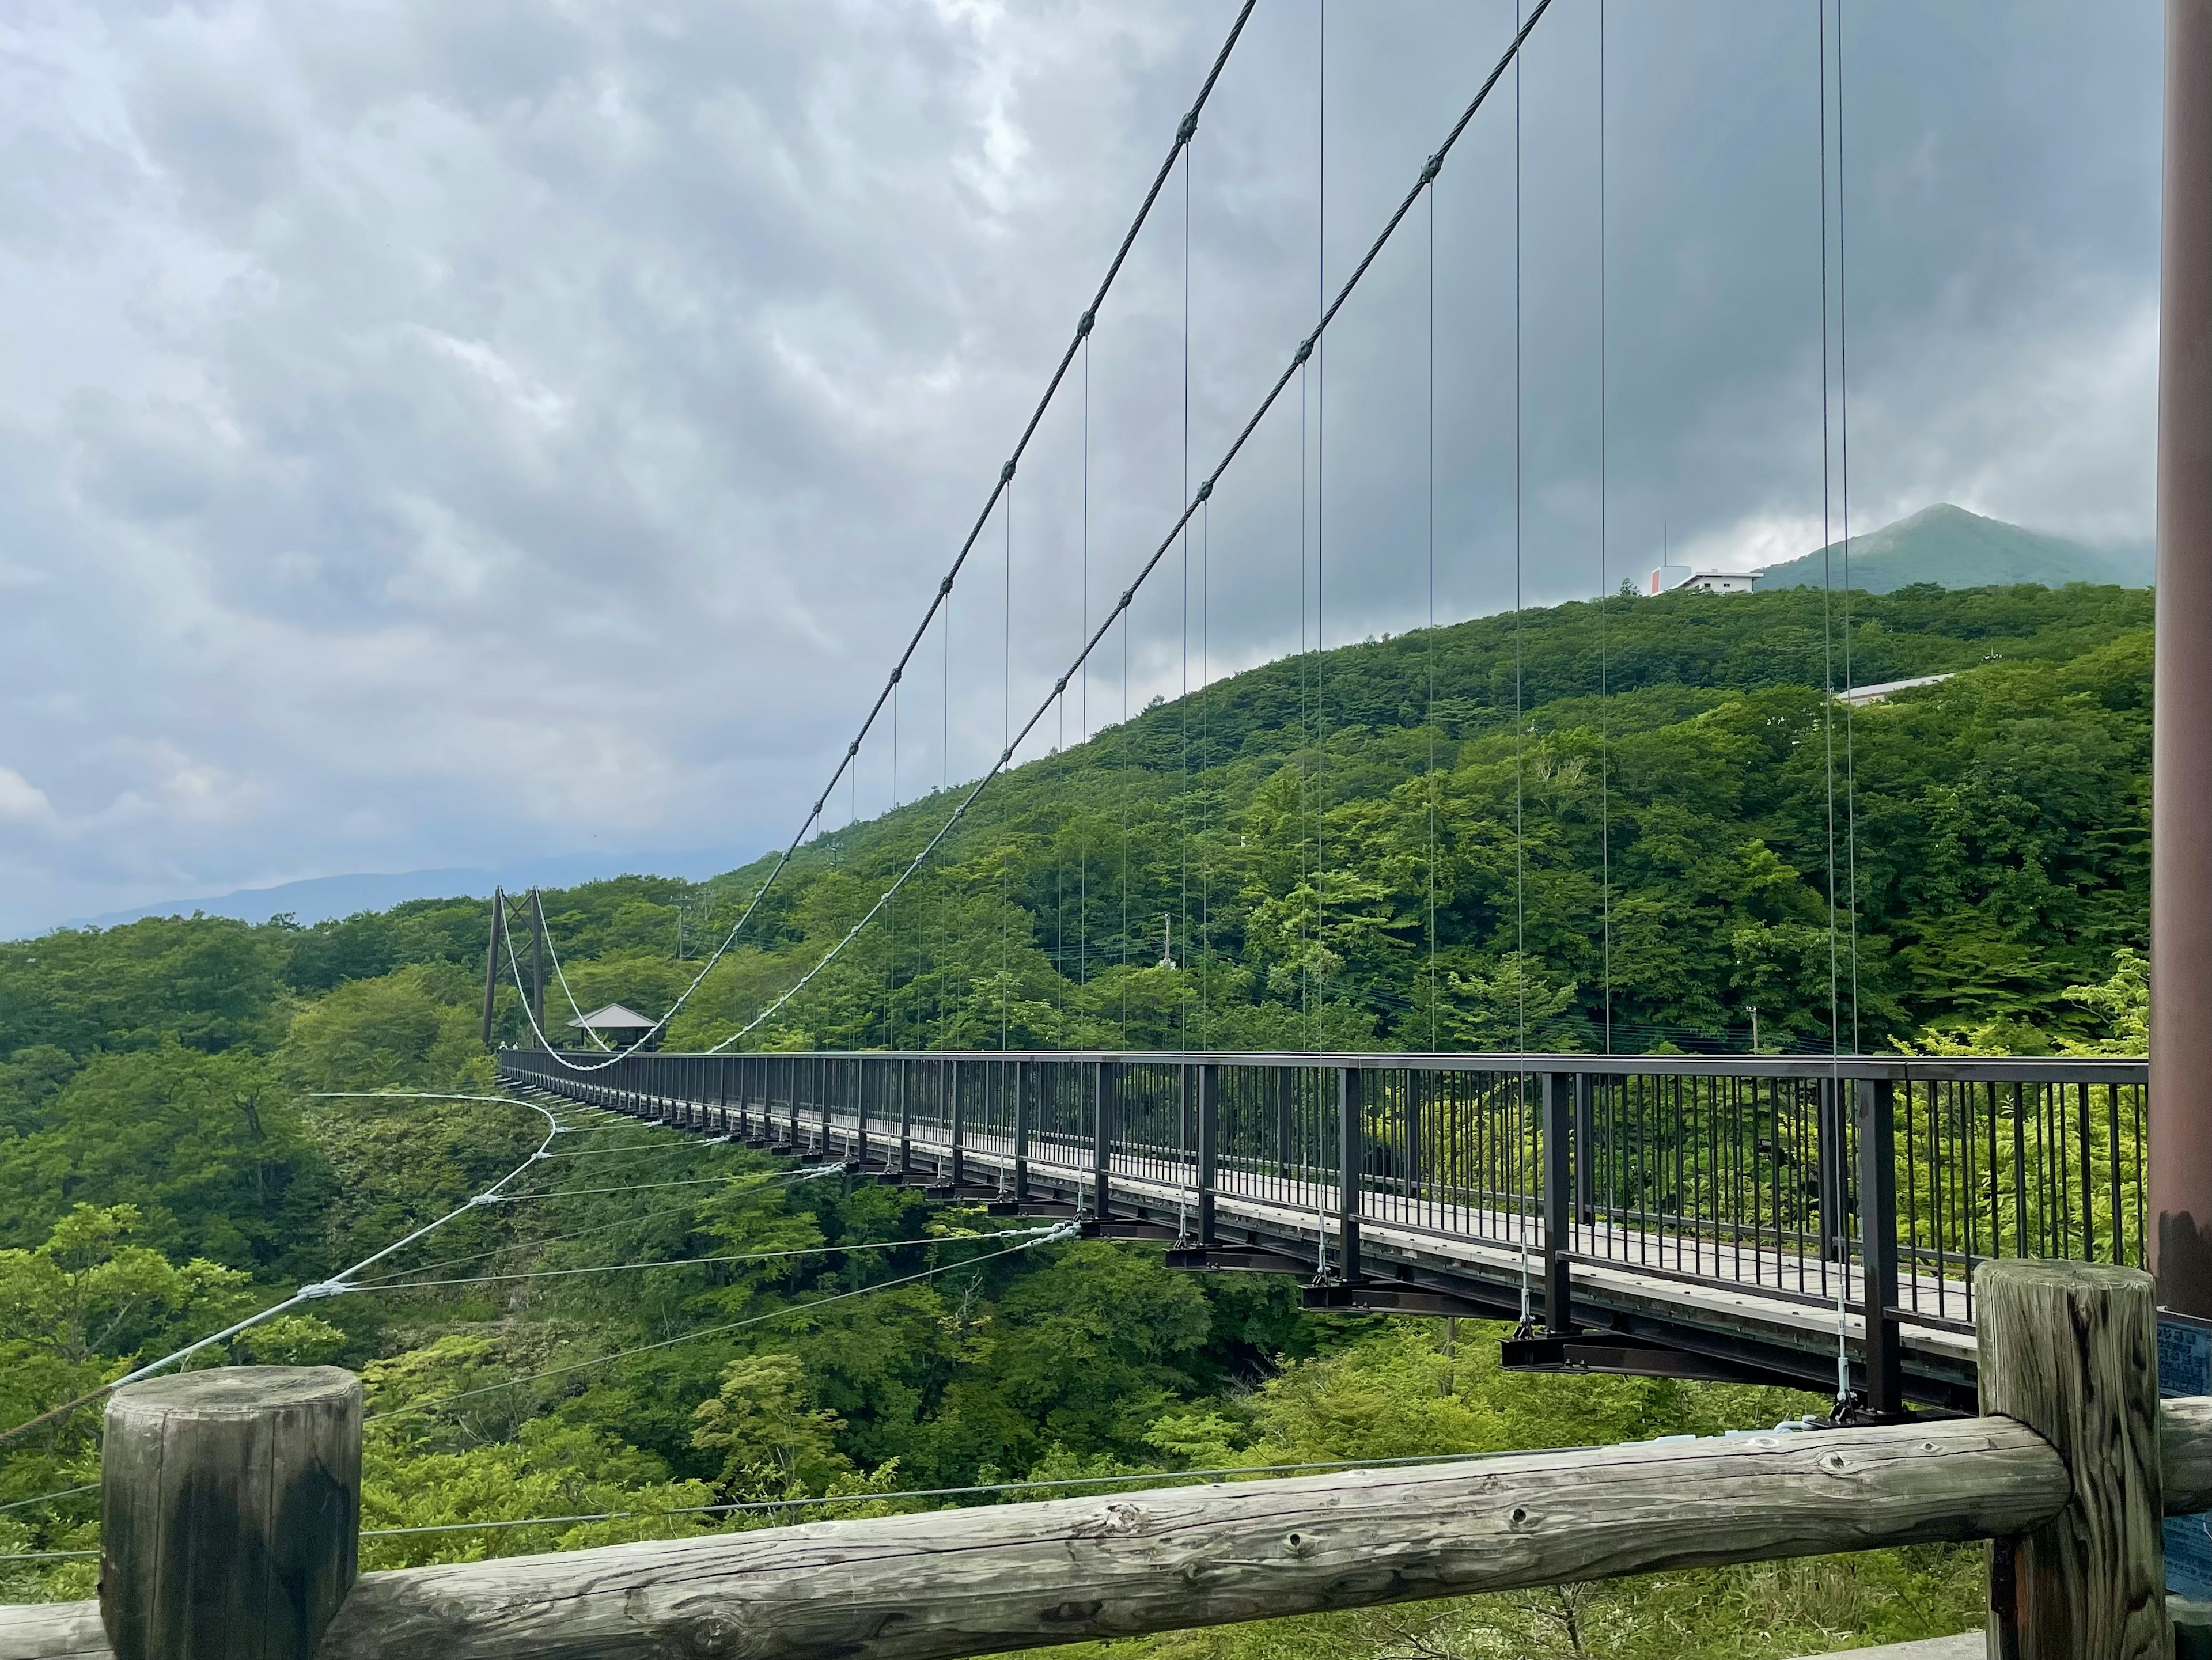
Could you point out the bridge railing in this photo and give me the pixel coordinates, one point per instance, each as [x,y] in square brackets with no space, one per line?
[1881,1181]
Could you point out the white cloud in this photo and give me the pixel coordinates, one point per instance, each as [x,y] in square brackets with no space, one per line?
[21,801]
[436,434]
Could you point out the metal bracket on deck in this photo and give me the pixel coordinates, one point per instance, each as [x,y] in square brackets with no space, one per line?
[1852,1413]
[968,1193]
[1237,1258]
[1110,1229]
[1042,1207]
[1383,1297]
[1625,1356]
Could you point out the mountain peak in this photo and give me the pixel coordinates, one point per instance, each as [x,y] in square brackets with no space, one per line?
[1946,544]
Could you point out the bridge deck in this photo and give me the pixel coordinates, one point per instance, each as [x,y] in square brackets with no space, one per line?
[1775,1310]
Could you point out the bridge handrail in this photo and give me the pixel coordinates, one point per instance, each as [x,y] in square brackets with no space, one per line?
[1897,1068]
[1884,1179]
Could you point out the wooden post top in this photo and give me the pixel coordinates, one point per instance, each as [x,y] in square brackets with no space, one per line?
[2070,1350]
[233,1391]
[2040,1271]
[230,1512]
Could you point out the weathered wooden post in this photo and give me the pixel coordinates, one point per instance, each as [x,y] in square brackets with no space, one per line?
[2070,1350]
[230,1512]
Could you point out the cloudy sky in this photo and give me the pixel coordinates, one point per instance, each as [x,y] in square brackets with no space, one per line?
[440,434]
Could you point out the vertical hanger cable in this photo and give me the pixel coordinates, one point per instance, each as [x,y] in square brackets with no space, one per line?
[1520,856]
[1604,578]
[1321,529]
[1843,437]
[1837,1107]
[1182,703]
[1432,717]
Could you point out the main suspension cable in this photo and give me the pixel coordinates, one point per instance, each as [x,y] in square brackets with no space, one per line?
[1305,351]
[537,904]
[1184,132]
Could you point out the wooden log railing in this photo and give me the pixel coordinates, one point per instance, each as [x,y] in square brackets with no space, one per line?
[238,1539]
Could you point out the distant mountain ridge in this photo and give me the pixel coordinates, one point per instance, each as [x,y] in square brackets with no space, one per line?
[1954,548]
[327,898]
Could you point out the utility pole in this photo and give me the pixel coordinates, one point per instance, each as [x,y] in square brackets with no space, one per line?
[2180,1161]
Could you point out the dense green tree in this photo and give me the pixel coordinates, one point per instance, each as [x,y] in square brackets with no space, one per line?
[196,1115]
[209,1149]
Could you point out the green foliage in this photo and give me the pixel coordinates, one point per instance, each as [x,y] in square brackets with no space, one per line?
[1657,859]
[207,983]
[411,1029]
[175,1148]
[83,1306]
[774,1445]
[209,1148]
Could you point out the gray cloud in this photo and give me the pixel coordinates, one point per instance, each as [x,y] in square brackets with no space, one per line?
[440,434]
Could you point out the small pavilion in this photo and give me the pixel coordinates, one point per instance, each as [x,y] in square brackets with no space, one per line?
[617,1027]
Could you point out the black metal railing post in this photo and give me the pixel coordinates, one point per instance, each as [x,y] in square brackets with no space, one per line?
[824,1071]
[1877,1138]
[1209,1141]
[1835,1241]
[1559,1094]
[1417,1084]
[870,1078]
[959,1119]
[1186,1127]
[1024,1071]
[906,1118]
[1585,1144]
[1103,1115]
[1351,1158]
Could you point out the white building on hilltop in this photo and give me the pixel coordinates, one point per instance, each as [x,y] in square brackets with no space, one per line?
[1665,579]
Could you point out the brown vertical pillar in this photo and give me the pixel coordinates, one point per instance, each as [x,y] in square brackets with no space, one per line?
[2180,1172]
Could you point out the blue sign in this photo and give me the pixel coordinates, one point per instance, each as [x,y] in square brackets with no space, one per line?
[2184,1367]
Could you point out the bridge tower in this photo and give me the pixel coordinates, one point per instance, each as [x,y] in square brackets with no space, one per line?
[2180,1166]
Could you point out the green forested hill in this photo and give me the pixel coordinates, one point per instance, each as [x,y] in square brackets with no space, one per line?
[171,1155]
[1993,829]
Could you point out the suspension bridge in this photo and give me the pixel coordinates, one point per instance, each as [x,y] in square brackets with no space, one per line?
[1814,1219]
[1825,1220]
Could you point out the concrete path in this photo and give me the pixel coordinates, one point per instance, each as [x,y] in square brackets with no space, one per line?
[1967,1645]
